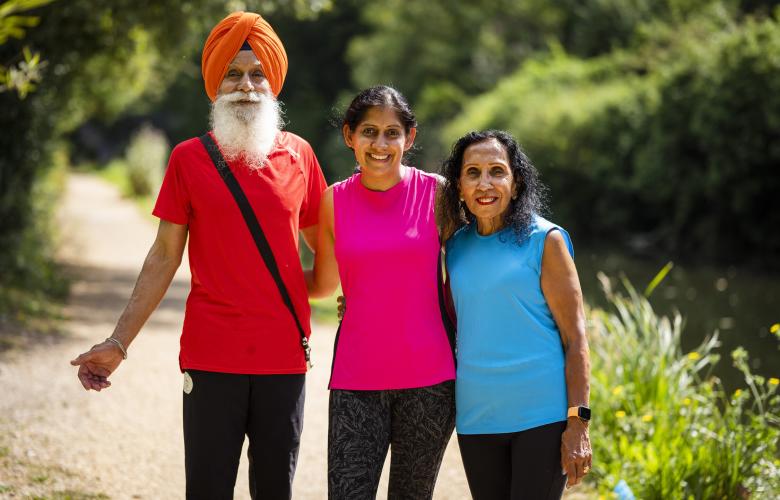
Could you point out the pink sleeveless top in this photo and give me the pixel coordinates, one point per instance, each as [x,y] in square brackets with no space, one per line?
[387,248]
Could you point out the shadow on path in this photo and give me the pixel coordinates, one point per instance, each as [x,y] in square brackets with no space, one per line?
[100,294]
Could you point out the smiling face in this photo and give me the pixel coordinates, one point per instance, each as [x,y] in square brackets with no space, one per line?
[379,142]
[245,74]
[486,184]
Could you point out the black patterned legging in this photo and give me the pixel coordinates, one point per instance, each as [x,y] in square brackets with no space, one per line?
[416,423]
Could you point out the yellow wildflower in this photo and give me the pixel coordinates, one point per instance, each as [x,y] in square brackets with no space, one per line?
[620,414]
[737,393]
[617,390]
[774,381]
[693,356]
[775,328]
[647,418]
[687,401]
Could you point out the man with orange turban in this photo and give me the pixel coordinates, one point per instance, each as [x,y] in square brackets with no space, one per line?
[244,343]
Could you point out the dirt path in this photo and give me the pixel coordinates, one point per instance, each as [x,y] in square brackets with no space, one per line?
[126,442]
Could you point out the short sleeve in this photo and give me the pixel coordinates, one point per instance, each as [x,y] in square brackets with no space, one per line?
[173,203]
[315,185]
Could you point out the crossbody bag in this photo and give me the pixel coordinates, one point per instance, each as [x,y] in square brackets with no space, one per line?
[261,242]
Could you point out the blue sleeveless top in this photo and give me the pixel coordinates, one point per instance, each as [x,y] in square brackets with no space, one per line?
[510,374]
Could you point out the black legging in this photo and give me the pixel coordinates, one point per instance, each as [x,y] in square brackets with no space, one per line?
[417,423]
[516,465]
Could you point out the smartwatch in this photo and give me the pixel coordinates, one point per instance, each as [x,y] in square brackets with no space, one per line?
[582,412]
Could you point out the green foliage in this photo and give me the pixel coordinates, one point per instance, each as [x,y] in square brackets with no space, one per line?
[145,159]
[665,425]
[22,76]
[13,25]
[672,145]
[99,55]
[716,130]
[33,286]
[439,53]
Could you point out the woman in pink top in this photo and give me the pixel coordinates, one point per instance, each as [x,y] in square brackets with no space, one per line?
[393,369]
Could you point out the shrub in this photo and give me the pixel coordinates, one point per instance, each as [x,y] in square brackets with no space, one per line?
[673,145]
[665,425]
[33,285]
[145,159]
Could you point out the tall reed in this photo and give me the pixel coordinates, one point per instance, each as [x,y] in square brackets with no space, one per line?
[663,422]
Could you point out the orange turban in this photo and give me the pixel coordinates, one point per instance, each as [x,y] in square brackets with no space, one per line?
[226,39]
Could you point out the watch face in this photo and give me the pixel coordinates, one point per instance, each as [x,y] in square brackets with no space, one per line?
[584,413]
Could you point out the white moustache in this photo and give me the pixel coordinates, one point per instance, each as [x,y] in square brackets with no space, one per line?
[241,96]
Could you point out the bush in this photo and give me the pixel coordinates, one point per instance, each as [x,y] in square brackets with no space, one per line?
[673,145]
[33,286]
[145,159]
[666,426]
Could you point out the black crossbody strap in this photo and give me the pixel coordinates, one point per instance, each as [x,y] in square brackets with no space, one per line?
[257,233]
[446,312]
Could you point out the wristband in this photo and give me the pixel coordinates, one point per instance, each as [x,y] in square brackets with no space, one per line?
[119,345]
[582,412]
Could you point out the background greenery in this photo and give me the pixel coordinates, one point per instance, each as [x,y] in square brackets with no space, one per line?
[662,116]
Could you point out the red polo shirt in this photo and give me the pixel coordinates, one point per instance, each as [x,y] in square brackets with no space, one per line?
[235,320]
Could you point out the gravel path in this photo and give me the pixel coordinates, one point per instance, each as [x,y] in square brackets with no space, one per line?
[126,442]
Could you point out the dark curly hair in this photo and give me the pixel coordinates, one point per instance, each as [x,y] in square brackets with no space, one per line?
[531,193]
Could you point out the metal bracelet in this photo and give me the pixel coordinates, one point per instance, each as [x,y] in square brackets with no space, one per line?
[119,345]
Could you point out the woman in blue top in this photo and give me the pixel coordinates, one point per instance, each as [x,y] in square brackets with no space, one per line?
[523,367]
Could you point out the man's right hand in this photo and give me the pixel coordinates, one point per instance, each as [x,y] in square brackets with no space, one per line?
[97,364]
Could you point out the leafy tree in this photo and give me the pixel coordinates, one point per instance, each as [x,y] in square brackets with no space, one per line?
[441,54]
[669,146]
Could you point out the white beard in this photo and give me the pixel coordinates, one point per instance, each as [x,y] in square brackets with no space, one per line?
[246,131]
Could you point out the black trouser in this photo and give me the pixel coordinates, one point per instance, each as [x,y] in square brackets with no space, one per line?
[220,410]
[516,465]
[417,423]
